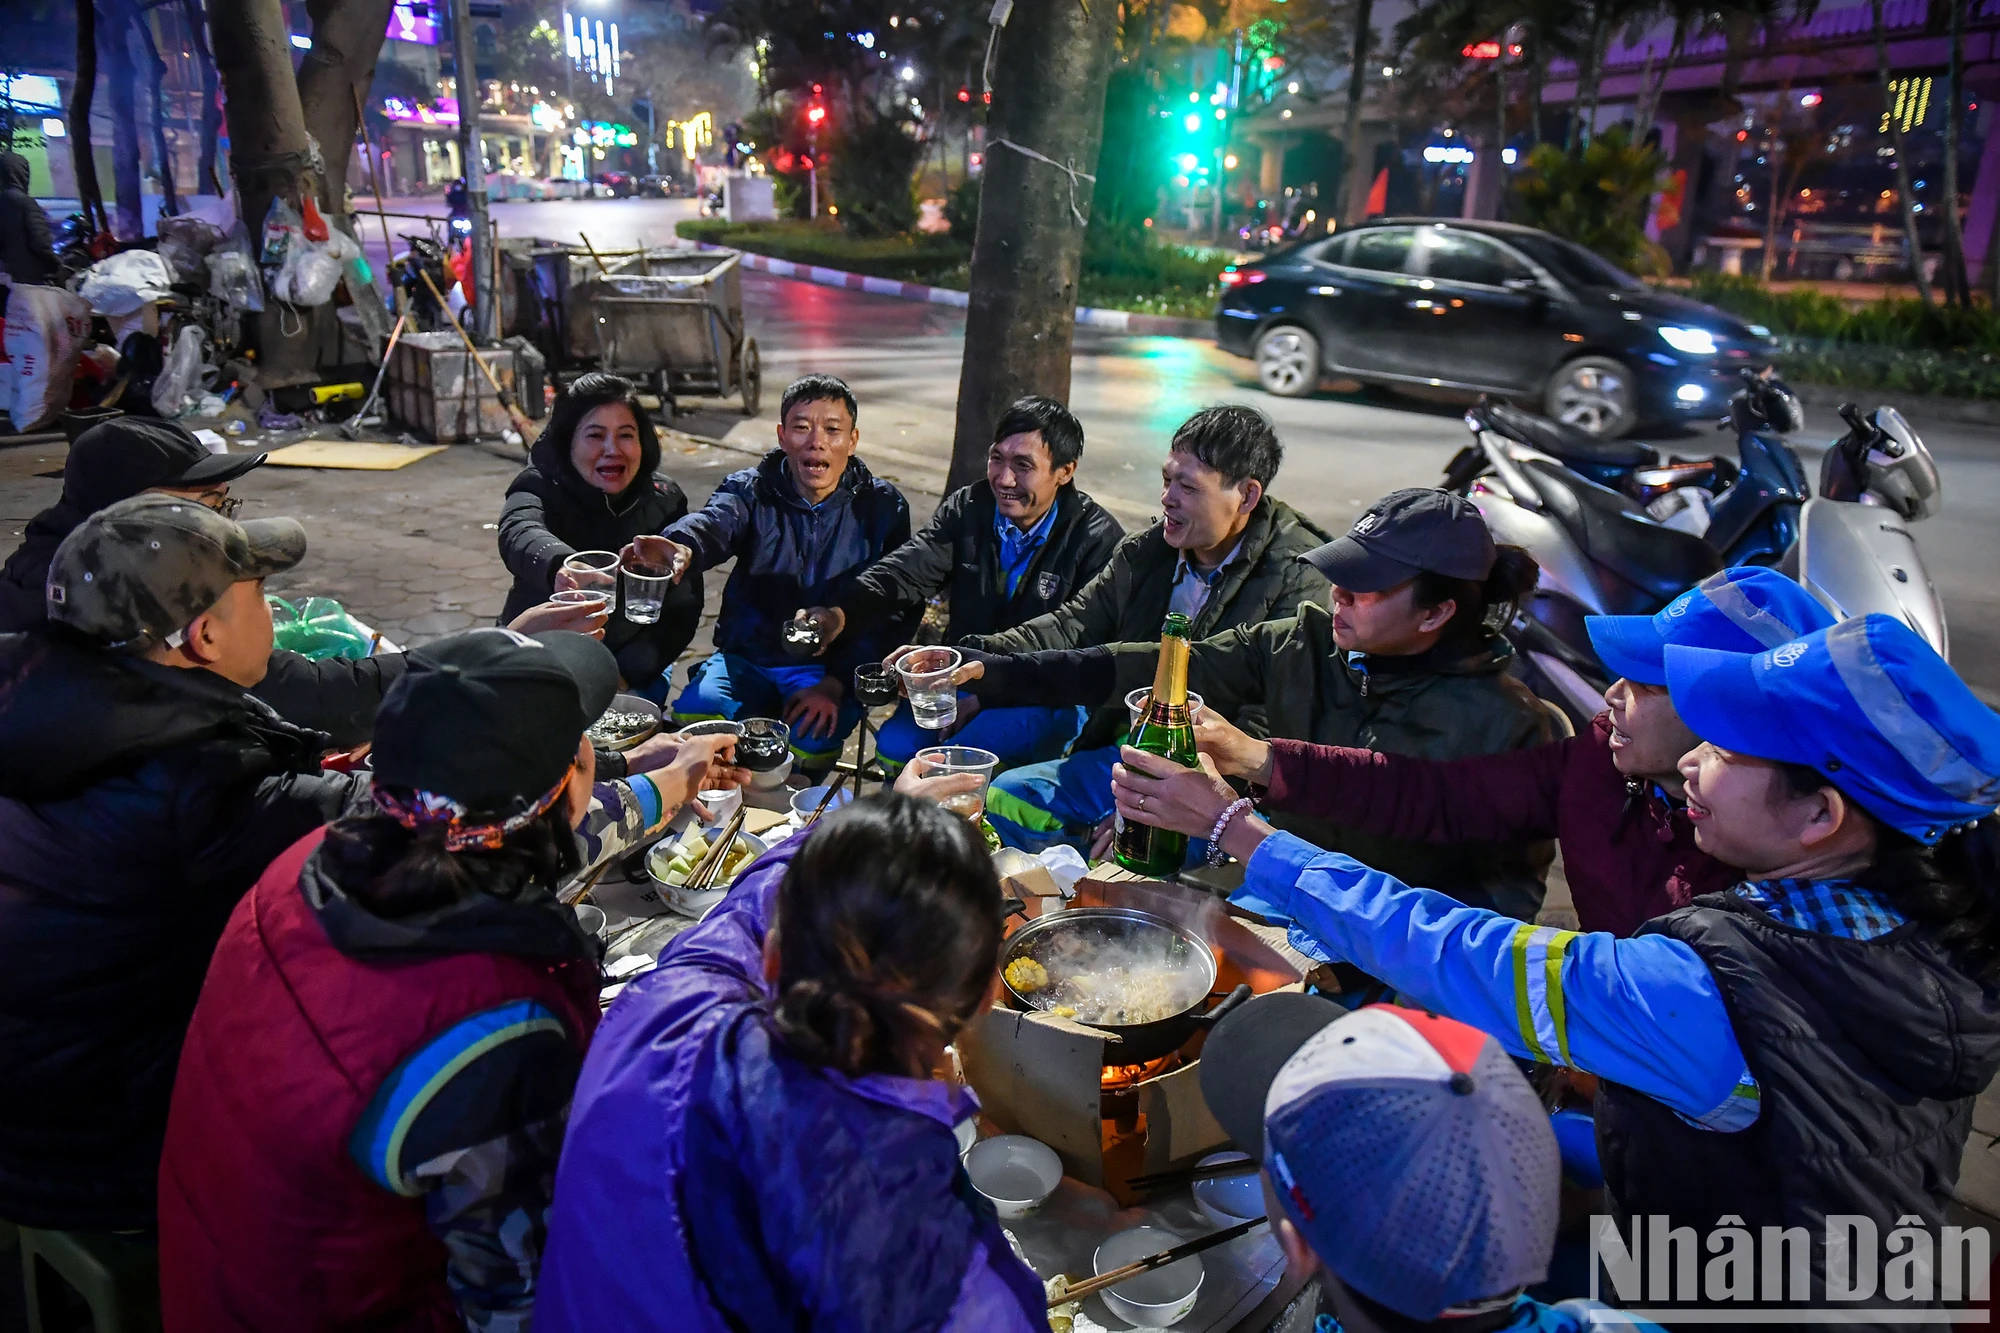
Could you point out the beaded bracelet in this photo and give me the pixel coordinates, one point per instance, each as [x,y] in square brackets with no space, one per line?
[1233,809]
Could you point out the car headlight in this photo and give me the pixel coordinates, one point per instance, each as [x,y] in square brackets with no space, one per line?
[1695,342]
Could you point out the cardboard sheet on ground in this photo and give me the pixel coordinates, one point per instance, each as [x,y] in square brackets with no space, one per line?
[358,457]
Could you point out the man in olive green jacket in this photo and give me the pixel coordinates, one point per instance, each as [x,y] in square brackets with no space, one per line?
[1224,554]
[1430,682]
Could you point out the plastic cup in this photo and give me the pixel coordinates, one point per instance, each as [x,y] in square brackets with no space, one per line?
[945,760]
[1135,705]
[645,592]
[593,570]
[582,597]
[926,675]
[874,685]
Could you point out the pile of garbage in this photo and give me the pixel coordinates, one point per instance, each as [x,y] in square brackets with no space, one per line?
[156,329]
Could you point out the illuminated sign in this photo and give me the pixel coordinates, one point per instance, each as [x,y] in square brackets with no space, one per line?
[544,117]
[1489,51]
[413,22]
[598,134]
[1448,153]
[442,112]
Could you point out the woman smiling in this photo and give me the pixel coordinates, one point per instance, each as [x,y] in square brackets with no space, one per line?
[590,485]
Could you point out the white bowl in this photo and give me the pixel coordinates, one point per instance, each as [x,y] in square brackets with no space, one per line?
[1227,1200]
[807,801]
[1159,1299]
[1014,1172]
[590,918]
[696,904]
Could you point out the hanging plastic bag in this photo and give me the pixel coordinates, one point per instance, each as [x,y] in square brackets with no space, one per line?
[46,330]
[232,274]
[184,243]
[282,226]
[308,277]
[318,627]
[182,374]
[126,281]
[341,246]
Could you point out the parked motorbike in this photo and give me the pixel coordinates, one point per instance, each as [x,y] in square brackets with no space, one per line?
[1602,553]
[1855,551]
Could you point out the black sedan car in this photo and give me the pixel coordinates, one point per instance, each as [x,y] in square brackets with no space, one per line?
[1489,307]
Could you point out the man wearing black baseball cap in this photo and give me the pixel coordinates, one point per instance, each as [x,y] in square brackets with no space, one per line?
[403,992]
[108,463]
[1400,660]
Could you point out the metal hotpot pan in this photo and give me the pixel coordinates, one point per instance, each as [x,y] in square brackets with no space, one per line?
[1102,929]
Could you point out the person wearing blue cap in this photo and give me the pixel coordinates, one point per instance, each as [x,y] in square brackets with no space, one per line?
[1611,795]
[1798,1053]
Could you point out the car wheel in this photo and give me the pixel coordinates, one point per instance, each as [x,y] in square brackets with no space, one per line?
[1594,394]
[1288,362]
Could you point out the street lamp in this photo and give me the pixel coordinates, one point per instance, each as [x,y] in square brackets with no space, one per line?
[815,117]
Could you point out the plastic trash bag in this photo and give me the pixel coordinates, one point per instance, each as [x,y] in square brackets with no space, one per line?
[184,243]
[46,330]
[181,376]
[340,245]
[309,275]
[318,627]
[282,227]
[233,276]
[126,281]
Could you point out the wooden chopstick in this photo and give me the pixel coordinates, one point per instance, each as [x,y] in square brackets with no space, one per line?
[1152,1261]
[832,790]
[702,876]
[571,897]
[1214,1170]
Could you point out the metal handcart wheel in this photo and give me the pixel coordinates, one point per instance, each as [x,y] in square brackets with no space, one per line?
[751,378]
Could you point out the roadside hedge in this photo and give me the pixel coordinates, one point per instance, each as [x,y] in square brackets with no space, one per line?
[1128,273]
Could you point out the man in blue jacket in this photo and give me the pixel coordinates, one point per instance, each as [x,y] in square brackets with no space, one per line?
[801,526]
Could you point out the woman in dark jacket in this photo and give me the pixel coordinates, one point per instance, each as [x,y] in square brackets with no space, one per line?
[590,486]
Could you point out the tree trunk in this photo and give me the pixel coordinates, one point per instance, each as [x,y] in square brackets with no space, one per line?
[1906,197]
[1535,98]
[1957,285]
[156,82]
[82,158]
[269,154]
[206,179]
[1351,170]
[1649,105]
[1050,77]
[347,38]
[121,78]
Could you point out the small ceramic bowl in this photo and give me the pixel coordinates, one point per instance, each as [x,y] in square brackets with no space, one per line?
[632,703]
[1227,1200]
[697,904]
[1159,1299]
[1014,1172]
[590,918]
[807,801]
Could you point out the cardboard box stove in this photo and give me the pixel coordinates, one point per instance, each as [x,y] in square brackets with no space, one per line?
[1040,1075]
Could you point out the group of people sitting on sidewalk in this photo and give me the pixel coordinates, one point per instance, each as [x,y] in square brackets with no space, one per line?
[324,1028]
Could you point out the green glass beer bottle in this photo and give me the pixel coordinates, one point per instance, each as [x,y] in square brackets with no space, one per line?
[1166,730]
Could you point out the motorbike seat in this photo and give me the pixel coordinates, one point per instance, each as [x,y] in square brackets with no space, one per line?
[1617,534]
[1561,440]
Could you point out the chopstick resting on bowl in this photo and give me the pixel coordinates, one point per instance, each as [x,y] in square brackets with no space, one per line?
[703,875]
[832,790]
[1079,1290]
[571,897]
[1158,1180]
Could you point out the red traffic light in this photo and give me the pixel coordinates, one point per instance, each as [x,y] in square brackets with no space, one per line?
[815,116]
[1482,51]
[965,94]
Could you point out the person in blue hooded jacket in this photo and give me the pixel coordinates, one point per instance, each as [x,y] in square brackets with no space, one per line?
[757,1139]
[801,525]
[1800,1052]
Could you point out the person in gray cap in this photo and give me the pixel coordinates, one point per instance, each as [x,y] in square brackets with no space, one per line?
[142,790]
[1405,1158]
[1401,660]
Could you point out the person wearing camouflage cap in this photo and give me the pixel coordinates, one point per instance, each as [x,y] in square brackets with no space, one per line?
[142,791]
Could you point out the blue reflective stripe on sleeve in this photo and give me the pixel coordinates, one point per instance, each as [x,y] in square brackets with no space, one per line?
[378,1139]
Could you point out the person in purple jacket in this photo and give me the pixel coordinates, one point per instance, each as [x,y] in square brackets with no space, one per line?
[1612,796]
[758,1140]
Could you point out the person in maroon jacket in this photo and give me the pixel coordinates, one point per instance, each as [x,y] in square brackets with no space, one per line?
[1612,796]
